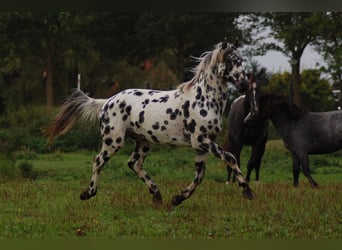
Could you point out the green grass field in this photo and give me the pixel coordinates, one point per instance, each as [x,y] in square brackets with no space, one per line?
[48,206]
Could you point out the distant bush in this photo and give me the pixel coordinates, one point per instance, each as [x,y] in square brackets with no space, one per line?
[21,133]
[25,153]
[26,169]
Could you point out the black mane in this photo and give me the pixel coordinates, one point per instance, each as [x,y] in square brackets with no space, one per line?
[278,103]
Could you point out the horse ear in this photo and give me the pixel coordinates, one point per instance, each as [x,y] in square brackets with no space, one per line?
[224,43]
[236,43]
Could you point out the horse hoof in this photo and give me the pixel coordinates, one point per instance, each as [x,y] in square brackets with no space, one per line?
[248,194]
[86,196]
[177,199]
[157,199]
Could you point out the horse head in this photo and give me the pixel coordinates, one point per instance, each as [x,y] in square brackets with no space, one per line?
[253,93]
[230,64]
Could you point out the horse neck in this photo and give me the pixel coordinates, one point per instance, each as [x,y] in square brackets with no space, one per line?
[283,120]
[213,88]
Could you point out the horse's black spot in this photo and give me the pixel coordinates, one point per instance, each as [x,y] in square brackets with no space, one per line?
[105,156]
[106,130]
[128,109]
[200,138]
[187,136]
[155,126]
[164,99]
[154,138]
[105,108]
[174,114]
[124,118]
[136,156]
[118,140]
[91,184]
[150,132]
[114,114]
[166,122]
[169,111]
[199,93]
[203,112]
[97,161]
[186,109]
[191,126]
[163,128]
[145,149]
[130,164]
[141,117]
[122,105]
[144,103]
[111,105]
[105,118]
[132,124]
[138,93]
[108,141]
[203,129]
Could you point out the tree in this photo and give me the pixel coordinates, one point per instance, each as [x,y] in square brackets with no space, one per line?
[46,41]
[330,46]
[180,34]
[294,30]
[315,94]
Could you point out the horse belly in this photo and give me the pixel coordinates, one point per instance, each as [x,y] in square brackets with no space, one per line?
[157,127]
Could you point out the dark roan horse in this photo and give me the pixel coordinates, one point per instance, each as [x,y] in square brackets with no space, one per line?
[302,132]
[243,131]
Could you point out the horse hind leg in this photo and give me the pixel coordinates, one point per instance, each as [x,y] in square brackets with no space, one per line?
[199,174]
[135,162]
[109,148]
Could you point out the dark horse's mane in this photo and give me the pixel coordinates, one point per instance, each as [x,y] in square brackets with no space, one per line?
[270,102]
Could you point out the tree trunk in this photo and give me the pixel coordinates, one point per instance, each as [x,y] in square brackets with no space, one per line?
[49,80]
[296,82]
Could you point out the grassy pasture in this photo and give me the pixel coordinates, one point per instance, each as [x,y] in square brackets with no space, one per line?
[48,205]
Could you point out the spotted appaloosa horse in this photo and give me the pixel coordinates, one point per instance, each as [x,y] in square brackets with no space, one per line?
[187,116]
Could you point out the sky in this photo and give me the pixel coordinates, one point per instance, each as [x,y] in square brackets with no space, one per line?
[276,61]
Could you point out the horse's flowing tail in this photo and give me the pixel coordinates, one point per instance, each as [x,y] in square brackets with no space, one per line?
[78,107]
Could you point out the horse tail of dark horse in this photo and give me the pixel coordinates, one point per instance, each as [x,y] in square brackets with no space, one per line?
[77,108]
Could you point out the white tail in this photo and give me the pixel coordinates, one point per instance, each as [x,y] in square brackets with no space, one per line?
[77,108]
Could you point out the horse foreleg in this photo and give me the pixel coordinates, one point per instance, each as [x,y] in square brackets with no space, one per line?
[199,174]
[295,169]
[135,163]
[229,158]
[254,162]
